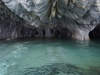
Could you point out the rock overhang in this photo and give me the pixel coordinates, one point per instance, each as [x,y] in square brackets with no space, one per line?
[43,11]
[79,16]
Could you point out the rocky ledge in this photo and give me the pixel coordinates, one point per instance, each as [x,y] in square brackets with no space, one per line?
[48,18]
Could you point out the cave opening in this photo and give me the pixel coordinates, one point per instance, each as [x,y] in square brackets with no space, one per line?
[95,33]
[55,32]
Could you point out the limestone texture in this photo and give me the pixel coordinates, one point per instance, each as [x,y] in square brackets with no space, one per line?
[48,18]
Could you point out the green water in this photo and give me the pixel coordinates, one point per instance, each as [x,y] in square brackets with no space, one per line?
[49,57]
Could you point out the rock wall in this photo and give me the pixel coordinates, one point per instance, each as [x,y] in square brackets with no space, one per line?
[12,26]
[47,18]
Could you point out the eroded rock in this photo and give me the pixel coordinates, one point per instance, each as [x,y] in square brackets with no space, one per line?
[78,16]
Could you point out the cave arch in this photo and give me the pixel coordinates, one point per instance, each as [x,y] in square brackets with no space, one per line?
[95,33]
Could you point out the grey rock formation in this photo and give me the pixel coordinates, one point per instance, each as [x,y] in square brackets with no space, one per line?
[79,16]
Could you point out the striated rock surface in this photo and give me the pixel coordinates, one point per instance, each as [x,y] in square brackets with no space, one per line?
[45,17]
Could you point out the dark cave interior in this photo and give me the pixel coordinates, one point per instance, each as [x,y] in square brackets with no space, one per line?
[95,33]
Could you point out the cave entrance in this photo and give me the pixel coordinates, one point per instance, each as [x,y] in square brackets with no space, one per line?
[95,33]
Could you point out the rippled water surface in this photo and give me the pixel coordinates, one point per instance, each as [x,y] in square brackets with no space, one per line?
[49,57]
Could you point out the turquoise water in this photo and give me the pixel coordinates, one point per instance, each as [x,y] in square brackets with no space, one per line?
[49,57]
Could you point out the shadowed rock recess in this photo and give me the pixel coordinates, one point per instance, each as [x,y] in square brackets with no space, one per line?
[48,18]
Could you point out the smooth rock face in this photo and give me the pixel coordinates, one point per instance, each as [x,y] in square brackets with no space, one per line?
[78,16]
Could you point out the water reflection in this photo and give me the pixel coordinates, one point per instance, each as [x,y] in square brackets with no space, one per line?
[49,57]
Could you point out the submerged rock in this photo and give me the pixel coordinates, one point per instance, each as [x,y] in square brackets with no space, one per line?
[77,16]
[56,69]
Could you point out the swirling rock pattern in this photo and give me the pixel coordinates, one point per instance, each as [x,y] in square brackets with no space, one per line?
[79,16]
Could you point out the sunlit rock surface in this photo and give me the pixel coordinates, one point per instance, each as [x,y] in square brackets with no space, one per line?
[78,16]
